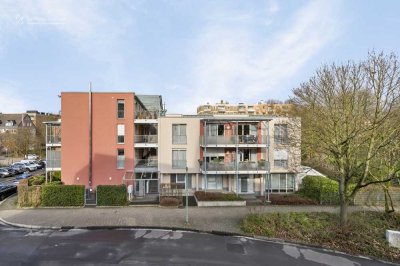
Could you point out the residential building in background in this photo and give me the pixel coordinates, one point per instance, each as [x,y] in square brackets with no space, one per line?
[269,108]
[12,122]
[39,117]
[115,138]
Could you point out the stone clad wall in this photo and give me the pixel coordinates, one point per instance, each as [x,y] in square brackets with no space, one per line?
[374,196]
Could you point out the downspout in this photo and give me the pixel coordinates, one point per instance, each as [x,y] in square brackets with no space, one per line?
[90,136]
[205,154]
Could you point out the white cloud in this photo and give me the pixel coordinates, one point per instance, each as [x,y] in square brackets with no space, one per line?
[236,63]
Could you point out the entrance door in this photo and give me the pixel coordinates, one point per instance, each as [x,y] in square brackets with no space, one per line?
[243,185]
[139,188]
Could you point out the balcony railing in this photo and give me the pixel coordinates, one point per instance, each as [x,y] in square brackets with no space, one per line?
[146,165]
[147,115]
[146,138]
[234,139]
[179,139]
[53,140]
[231,166]
[179,164]
[53,159]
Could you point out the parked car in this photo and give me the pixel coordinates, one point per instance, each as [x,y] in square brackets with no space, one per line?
[28,166]
[7,190]
[21,165]
[42,163]
[4,172]
[19,169]
[23,176]
[32,157]
[12,171]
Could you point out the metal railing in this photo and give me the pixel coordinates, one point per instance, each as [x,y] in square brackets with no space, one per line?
[146,138]
[179,164]
[53,140]
[231,166]
[146,115]
[233,139]
[179,139]
[53,163]
[146,163]
[53,159]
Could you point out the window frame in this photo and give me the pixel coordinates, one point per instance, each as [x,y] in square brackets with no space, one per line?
[118,135]
[120,159]
[120,101]
[179,138]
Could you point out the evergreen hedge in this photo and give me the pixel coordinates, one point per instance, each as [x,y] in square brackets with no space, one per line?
[320,189]
[63,195]
[112,195]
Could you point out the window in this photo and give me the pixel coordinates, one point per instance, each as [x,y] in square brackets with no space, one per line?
[281,134]
[178,158]
[120,134]
[121,159]
[216,130]
[179,134]
[282,182]
[121,108]
[281,163]
[178,181]
[281,158]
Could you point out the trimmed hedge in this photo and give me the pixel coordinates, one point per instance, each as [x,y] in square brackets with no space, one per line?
[320,189]
[216,196]
[108,195]
[65,195]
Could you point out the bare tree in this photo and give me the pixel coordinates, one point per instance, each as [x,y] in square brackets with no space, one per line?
[348,113]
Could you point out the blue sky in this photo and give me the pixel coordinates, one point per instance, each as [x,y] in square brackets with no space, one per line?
[190,52]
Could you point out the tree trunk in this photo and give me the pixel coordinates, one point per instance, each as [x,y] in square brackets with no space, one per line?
[343,203]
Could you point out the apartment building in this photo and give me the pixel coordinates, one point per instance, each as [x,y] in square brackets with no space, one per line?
[115,138]
[268,108]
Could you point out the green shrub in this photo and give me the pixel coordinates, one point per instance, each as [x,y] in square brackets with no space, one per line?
[56,176]
[36,180]
[67,195]
[216,196]
[108,195]
[320,189]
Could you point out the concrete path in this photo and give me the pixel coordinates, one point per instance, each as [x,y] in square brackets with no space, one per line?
[224,219]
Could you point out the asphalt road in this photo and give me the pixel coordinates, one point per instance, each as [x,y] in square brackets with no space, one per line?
[155,247]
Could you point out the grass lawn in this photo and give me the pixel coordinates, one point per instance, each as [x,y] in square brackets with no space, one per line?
[365,234]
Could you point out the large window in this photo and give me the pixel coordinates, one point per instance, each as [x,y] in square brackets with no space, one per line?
[120,158]
[282,182]
[178,181]
[120,134]
[121,108]
[281,134]
[179,159]
[214,182]
[179,134]
[215,130]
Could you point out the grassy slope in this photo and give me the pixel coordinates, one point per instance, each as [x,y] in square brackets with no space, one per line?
[365,234]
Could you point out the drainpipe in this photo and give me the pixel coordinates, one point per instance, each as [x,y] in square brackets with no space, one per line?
[237,153]
[90,136]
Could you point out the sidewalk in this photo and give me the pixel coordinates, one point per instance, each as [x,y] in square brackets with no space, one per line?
[203,219]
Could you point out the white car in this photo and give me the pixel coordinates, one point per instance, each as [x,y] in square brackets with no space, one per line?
[31,167]
[32,157]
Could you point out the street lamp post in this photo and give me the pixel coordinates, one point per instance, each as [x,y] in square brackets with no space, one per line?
[186,190]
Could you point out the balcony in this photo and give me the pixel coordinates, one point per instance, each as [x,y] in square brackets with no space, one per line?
[53,159]
[241,140]
[53,140]
[146,116]
[144,141]
[231,167]
[146,165]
